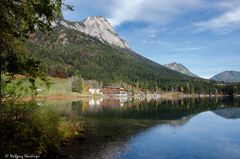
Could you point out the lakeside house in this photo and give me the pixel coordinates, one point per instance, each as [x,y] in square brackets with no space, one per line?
[113,90]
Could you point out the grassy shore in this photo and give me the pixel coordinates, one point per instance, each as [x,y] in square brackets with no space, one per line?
[61,88]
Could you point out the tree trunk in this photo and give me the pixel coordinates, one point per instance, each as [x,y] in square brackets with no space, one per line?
[0,81]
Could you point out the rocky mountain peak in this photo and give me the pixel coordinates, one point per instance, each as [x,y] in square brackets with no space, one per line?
[99,28]
[99,22]
[180,68]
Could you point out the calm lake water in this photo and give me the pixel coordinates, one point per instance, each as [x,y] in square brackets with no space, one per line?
[139,128]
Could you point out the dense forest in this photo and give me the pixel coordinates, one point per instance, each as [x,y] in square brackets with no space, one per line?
[66,52]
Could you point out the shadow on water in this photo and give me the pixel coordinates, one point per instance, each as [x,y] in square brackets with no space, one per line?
[55,128]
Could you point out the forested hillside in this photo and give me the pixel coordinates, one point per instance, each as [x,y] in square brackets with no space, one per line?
[66,52]
[227,76]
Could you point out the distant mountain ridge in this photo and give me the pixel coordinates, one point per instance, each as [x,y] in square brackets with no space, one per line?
[180,68]
[227,76]
[97,27]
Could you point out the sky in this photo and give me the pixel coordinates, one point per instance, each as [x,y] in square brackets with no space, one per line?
[203,35]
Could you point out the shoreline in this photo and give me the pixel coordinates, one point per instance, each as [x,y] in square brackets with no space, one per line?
[164,96]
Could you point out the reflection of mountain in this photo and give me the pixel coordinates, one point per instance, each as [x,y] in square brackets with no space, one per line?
[107,138]
[181,122]
[104,138]
[228,113]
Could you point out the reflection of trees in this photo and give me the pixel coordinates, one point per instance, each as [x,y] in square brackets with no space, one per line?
[77,108]
[31,129]
[163,109]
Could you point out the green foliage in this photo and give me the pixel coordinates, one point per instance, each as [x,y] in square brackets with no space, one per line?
[27,128]
[231,89]
[18,20]
[77,85]
[13,87]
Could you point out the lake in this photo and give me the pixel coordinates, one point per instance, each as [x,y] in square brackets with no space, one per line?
[130,128]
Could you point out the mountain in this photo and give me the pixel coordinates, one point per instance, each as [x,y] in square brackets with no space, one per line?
[227,76]
[180,68]
[97,27]
[72,49]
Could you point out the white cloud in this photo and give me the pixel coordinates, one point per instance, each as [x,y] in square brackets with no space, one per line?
[154,11]
[225,5]
[157,13]
[162,42]
[161,12]
[188,49]
[148,42]
[152,35]
[125,10]
[228,21]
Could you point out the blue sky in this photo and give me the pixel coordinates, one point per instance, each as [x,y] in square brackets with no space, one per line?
[203,35]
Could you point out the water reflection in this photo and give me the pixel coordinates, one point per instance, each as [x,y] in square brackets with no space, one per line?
[114,126]
[206,135]
[114,130]
[151,109]
[109,102]
[228,113]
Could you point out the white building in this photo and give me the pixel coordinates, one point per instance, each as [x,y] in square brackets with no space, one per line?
[94,91]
